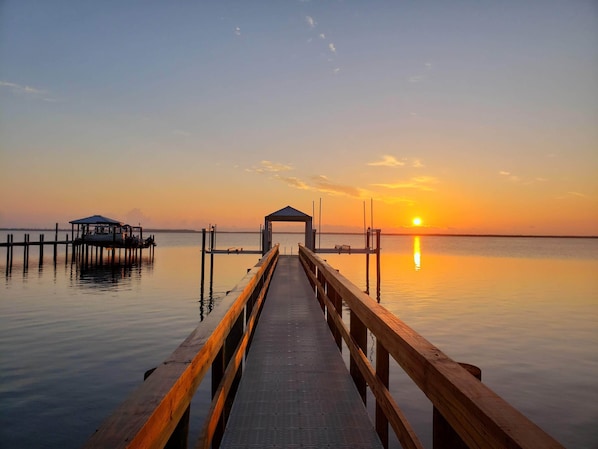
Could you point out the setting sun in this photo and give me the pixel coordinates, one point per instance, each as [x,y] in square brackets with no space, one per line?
[417,221]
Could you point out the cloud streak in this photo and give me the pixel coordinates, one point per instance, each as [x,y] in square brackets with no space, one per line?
[321,183]
[270,167]
[424,183]
[310,21]
[391,161]
[387,161]
[20,89]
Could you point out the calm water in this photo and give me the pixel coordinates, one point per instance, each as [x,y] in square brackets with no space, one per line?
[75,342]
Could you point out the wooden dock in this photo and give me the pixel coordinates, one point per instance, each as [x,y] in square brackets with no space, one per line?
[283,383]
[296,390]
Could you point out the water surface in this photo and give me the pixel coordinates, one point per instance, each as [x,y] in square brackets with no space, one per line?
[74,341]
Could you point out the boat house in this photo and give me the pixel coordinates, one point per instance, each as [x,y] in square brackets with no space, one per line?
[98,230]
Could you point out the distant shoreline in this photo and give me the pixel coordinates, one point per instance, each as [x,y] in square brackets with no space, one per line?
[408,234]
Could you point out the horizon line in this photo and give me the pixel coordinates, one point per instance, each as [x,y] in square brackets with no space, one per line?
[412,234]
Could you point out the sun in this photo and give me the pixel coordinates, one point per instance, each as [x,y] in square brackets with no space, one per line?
[417,221]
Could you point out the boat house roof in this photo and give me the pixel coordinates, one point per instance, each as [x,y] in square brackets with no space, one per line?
[96,219]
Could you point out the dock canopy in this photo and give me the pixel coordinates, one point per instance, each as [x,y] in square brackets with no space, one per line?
[287,214]
[95,219]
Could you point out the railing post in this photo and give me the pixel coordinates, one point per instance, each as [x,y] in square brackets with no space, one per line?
[322,281]
[443,435]
[180,435]
[382,372]
[359,334]
[218,367]
[336,300]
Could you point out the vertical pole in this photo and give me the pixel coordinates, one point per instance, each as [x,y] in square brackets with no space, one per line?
[8,247]
[378,264]
[55,243]
[382,372]
[203,264]
[367,263]
[66,248]
[41,249]
[26,252]
[212,232]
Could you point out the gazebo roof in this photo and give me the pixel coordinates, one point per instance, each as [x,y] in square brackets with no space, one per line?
[96,219]
[288,214]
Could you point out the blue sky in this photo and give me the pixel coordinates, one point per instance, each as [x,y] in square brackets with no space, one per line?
[184,113]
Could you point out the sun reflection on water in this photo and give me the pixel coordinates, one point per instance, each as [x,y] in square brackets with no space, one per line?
[417,254]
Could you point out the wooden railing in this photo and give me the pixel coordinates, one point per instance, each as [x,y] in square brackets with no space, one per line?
[480,418]
[154,414]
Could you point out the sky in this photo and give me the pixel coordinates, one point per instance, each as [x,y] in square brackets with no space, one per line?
[475,116]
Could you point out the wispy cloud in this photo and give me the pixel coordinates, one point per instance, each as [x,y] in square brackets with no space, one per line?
[387,161]
[577,194]
[570,195]
[310,21]
[519,180]
[319,183]
[293,182]
[322,184]
[270,167]
[421,76]
[424,183]
[20,89]
[331,47]
[17,88]
[238,31]
[322,36]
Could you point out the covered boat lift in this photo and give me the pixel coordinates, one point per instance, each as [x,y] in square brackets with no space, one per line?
[287,214]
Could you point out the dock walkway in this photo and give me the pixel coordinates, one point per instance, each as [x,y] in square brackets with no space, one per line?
[296,390]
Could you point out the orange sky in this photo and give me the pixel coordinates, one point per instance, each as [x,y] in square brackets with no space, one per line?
[479,119]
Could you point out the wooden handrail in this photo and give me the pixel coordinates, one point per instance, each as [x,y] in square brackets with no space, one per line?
[479,416]
[150,414]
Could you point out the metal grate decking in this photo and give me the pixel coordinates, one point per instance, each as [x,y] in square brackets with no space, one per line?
[296,391]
